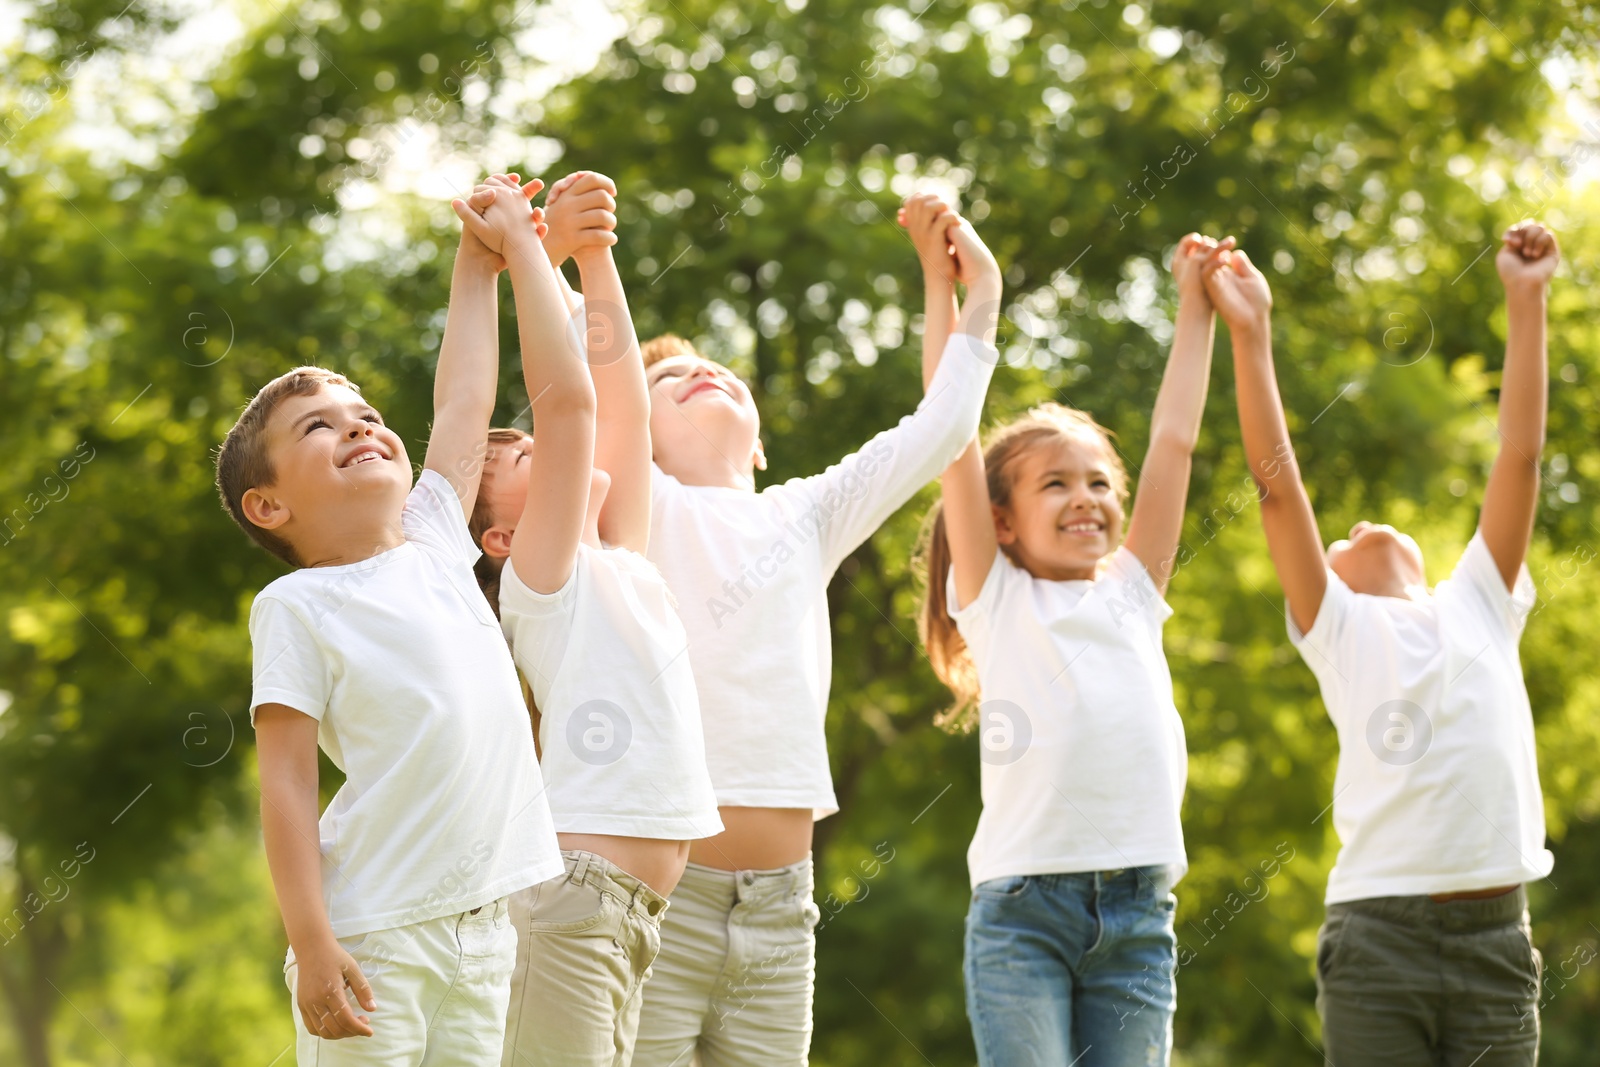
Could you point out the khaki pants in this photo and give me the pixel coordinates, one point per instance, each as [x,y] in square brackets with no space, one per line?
[585,942]
[735,977]
[441,992]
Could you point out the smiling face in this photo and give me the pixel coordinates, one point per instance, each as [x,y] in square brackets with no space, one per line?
[704,425]
[1378,560]
[336,467]
[1063,512]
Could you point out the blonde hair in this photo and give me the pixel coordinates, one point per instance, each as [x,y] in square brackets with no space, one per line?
[947,651]
[243,461]
[487,569]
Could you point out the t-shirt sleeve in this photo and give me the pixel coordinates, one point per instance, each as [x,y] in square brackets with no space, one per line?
[1325,647]
[972,620]
[1133,593]
[853,497]
[1478,572]
[288,665]
[433,519]
[537,625]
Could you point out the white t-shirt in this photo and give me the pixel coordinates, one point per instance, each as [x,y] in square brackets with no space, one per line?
[1437,789]
[400,660]
[621,746]
[1084,758]
[750,572]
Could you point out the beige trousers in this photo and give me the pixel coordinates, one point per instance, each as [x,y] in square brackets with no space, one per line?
[733,984]
[441,992]
[585,942]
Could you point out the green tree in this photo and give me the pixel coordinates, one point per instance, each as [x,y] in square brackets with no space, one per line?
[1366,154]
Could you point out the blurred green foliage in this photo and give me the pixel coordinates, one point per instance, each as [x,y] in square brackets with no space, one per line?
[1366,154]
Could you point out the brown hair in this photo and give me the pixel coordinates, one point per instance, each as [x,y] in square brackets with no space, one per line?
[666,346]
[947,651]
[487,569]
[243,462]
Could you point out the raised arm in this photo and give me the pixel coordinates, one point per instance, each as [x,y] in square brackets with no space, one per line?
[927,218]
[1241,296]
[854,496]
[584,217]
[1157,519]
[286,748]
[561,460]
[464,384]
[1527,259]
[968,519]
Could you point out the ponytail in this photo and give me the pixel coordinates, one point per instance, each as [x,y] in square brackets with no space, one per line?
[947,650]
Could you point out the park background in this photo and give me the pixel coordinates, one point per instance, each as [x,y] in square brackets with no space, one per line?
[195,197]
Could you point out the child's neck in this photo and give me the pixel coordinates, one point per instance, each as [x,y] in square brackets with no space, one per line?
[347,543]
[711,471]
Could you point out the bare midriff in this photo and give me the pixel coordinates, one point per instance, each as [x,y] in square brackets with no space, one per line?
[756,839]
[1473,894]
[656,863]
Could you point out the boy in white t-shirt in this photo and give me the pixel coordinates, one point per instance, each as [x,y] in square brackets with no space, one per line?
[380,648]
[750,572]
[564,525]
[1425,955]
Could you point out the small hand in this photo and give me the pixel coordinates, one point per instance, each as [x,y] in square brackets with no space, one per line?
[1187,260]
[581,212]
[320,987]
[1237,289]
[475,237]
[508,218]
[928,220]
[1528,256]
[975,264]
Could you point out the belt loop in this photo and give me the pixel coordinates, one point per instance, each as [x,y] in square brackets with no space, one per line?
[580,873]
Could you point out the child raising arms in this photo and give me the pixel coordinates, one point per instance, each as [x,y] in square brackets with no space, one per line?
[1425,954]
[750,571]
[593,629]
[379,648]
[1038,605]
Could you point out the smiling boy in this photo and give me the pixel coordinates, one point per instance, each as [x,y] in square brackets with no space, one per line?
[380,648]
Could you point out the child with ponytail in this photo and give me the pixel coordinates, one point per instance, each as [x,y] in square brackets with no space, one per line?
[1040,608]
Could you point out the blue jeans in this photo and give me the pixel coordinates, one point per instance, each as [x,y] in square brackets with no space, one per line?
[1075,969]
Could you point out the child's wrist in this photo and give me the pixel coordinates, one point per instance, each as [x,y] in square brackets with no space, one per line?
[985,287]
[1252,330]
[1527,293]
[476,259]
[592,256]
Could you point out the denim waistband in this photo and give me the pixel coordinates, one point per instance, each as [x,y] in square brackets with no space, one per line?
[599,872]
[1454,916]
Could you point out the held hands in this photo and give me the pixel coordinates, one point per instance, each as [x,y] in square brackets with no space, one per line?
[1527,257]
[975,264]
[1237,289]
[321,998]
[1188,263]
[928,220]
[581,212]
[497,212]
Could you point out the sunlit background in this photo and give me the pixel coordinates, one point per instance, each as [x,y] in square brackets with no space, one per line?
[195,197]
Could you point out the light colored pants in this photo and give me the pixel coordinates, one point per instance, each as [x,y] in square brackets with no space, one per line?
[441,988]
[735,977]
[585,942]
